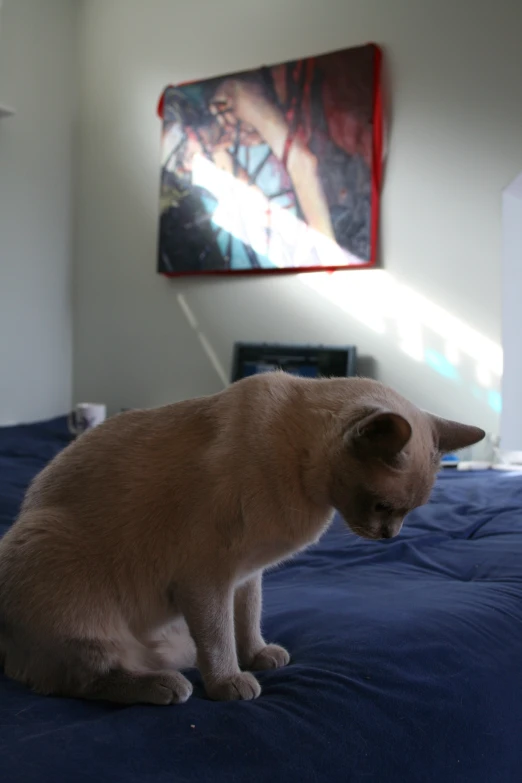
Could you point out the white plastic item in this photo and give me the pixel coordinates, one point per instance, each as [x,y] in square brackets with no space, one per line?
[474,465]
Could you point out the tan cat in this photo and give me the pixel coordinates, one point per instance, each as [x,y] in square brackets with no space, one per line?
[160,521]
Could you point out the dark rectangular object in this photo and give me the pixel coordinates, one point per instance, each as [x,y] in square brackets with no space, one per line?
[311,361]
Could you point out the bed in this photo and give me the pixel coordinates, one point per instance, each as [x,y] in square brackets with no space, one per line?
[406,661]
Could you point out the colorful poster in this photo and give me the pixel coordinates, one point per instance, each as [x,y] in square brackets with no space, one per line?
[277,169]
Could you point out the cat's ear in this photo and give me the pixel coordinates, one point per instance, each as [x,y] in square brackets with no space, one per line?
[452,436]
[380,435]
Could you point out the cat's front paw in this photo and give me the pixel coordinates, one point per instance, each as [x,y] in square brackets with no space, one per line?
[241,686]
[270,657]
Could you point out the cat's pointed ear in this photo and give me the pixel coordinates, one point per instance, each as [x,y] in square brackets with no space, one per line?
[452,436]
[380,435]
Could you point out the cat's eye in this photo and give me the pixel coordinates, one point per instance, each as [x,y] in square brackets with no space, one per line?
[382,508]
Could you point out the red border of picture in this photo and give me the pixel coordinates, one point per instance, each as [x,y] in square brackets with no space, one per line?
[377,168]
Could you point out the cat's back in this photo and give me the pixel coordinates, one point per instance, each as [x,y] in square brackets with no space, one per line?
[127,452]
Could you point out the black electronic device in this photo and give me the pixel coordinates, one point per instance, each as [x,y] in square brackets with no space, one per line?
[310,361]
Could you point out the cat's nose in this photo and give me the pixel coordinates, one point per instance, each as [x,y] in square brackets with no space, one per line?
[390,529]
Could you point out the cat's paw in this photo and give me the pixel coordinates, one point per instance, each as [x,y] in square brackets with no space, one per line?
[168,688]
[241,686]
[270,657]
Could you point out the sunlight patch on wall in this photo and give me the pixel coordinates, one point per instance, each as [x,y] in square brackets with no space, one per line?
[374,298]
[441,364]
[270,229]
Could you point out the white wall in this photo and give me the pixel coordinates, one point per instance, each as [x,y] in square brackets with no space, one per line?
[37,73]
[456,130]
[511,422]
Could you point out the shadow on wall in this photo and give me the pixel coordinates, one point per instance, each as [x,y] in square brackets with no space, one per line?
[366,366]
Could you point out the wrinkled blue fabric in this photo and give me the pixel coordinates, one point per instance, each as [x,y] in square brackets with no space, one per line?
[406,661]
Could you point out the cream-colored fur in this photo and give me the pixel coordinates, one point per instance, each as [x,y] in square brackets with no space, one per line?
[160,521]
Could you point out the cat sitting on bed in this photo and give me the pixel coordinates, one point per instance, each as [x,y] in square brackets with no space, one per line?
[142,545]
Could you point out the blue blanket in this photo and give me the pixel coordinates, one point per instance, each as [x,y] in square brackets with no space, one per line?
[406,662]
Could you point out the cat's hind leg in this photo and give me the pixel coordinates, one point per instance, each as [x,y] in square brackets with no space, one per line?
[87,669]
[126,687]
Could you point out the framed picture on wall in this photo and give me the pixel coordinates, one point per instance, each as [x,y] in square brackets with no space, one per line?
[276,169]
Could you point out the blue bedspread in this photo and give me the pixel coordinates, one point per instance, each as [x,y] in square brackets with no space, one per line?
[406,662]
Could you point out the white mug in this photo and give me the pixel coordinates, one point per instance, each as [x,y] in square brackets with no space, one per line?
[85,416]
